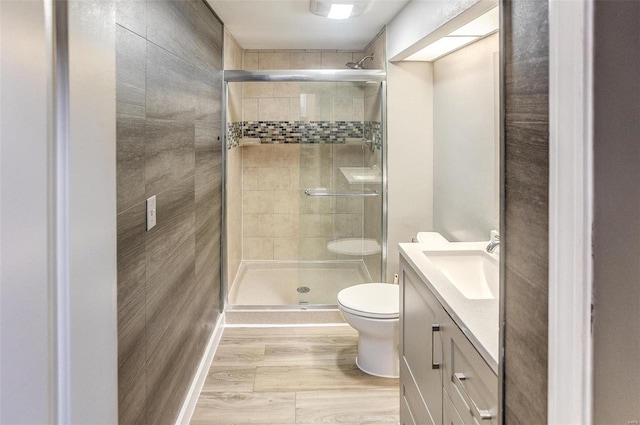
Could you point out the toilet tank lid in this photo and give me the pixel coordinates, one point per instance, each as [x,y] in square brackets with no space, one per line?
[375,298]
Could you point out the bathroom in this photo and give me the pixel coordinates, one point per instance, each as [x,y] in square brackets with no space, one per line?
[220,188]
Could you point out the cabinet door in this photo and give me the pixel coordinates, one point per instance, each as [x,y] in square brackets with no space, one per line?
[420,344]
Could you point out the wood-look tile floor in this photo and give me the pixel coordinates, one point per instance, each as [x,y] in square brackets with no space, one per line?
[296,375]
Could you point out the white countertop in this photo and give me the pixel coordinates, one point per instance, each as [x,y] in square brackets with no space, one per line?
[478,319]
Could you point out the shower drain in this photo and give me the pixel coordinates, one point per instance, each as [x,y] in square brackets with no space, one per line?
[303,289]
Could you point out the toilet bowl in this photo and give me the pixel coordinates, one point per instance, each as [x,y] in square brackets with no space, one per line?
[373,310]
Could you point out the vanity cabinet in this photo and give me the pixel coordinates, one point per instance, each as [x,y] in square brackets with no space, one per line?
[443,378]
[422,321]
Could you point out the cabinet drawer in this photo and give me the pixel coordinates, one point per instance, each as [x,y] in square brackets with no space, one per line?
[406,418]
[450,415]
[469,381]
[418,411]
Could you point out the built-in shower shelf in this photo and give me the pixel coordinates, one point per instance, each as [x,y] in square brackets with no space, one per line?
[355,246]
[361,175]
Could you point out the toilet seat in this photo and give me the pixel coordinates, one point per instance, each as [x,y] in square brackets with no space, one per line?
[371,300]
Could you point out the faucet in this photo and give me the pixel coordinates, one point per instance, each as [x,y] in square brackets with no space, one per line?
[493,244]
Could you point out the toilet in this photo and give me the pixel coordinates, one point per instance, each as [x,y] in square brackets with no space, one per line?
[373,310]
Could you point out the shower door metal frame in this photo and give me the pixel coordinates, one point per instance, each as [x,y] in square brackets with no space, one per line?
[305,75]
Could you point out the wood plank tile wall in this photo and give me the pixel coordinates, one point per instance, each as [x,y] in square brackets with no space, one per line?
[168,72]
[526,219]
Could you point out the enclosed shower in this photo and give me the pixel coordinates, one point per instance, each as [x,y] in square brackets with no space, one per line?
[305,186]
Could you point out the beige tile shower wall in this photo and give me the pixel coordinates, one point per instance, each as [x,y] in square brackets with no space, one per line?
[270,201]
[323,101]
[279,221]
[298,59]
[233,53]
[282,102]
[372,91]
[377,48]
[233,60]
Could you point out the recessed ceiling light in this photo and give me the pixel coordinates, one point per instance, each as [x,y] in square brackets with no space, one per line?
[340,11]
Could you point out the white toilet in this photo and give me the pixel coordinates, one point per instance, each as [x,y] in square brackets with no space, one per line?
[373,310]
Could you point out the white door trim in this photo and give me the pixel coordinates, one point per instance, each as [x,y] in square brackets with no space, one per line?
[570,211]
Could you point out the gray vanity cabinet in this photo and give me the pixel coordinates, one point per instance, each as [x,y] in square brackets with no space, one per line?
[443,378]
[421,353]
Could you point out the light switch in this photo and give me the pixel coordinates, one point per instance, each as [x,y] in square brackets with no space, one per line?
[151,212]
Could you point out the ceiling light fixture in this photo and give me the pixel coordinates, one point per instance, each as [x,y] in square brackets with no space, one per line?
[339,9]
[480,27]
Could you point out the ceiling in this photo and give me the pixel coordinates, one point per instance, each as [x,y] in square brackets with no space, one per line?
[288,24]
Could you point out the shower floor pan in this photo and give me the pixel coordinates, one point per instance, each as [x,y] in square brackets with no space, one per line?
[293,284]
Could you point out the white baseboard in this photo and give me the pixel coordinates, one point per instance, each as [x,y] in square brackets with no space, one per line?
[189,405]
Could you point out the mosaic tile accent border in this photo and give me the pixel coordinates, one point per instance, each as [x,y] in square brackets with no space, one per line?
[304,132]
[373,131]
[234,134]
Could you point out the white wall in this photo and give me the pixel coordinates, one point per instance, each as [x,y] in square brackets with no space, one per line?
[466,142]
[25,347]
[409,154]
[92,286]
[57,231]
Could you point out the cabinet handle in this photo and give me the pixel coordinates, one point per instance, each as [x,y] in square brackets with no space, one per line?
[434,329]
[482,414]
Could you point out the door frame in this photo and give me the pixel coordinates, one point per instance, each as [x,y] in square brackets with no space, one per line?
[570,211]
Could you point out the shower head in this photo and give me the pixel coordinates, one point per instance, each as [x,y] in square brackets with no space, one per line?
[359,64]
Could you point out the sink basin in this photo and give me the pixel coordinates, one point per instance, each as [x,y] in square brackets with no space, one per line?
[472,272]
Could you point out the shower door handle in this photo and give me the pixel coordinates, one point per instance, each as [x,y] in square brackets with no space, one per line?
[320,192]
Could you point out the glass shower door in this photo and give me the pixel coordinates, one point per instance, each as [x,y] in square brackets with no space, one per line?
[340,220]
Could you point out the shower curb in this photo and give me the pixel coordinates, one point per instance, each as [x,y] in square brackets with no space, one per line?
[283,317]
